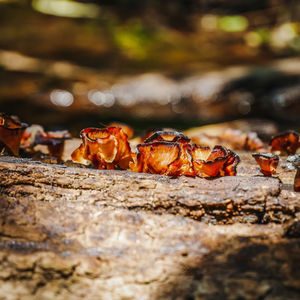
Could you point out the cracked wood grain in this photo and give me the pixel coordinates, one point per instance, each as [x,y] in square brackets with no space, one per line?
[63,250]
[69,233]
[221,200]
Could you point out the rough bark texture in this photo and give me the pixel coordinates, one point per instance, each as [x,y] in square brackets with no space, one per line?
[69,233]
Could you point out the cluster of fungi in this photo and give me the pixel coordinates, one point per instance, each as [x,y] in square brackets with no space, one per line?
[15,135]
[163,152]
[267,162]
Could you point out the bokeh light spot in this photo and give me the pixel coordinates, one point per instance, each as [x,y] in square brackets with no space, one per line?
[61,98]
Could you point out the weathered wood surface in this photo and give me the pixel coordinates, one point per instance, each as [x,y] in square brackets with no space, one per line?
[68,233]
[245,198]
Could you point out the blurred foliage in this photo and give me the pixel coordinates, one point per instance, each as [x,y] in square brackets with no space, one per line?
[134,39]
[233,23]
[133,36]
[85,45]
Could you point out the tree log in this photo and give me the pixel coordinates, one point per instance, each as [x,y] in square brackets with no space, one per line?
[69,232]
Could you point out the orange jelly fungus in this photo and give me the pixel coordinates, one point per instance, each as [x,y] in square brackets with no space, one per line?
[287,142]
[157,158]
[151,131]
[11,132]
[216,162]
[105,148]
[157,155]
[164,152]
[127,129]
[267,162]
[55,141]
[168,136]
[170,153]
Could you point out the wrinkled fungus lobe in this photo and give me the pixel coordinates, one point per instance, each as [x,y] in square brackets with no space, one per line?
[11,132]
[127,129]
[157,158]
[167,136]
[170,153]
[151,131]
[165,153]
[105,148]
[267,162]
[216,162]
[286,143]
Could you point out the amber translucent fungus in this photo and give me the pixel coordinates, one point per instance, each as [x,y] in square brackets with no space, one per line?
[80,155]
[181,158]
[157,155]
[157,158]
[164,152]
[199,152]
[231,163]
[105,148]
[185,163]
[127,129]
[212,164]
[267,162]
[286,143]
[54,140]
[11,132]
[151,131]
[167,136]
[219,161]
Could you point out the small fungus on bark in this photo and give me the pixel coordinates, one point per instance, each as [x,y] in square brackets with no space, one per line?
[157,158]
[54,140]
[11,132]
[285,143]
[218,162]
[105,148]
[267,162]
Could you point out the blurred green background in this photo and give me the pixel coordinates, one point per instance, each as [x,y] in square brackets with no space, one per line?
[149,63]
